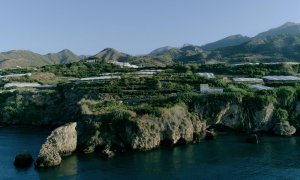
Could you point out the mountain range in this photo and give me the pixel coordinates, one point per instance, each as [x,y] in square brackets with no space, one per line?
[277,44]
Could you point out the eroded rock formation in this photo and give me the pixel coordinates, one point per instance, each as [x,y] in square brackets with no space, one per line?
[61,142]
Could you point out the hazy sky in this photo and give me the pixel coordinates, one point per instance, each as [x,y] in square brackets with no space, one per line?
[134,26]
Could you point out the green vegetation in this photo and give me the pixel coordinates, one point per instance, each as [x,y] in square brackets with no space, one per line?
[281,115]
[134,96]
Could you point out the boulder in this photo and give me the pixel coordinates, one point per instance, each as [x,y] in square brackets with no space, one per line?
[61,142]
[23,160]
[107,152]
[252,139]
[284,129]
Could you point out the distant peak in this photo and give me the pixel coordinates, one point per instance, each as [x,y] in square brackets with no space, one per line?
[186,45]
[109,49]
[289,24]
[235,37]
[65,51]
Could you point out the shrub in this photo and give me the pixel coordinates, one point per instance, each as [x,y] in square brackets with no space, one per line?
[280,115]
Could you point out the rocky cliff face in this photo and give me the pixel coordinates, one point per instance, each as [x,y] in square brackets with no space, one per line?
[143,133]
[175,125]
[241,118]
[61,142]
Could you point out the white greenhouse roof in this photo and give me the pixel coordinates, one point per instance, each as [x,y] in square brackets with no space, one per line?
[247,80]
[15,75]
[99,78]
[281,78]
[21,85]
[259,87]
[207,75]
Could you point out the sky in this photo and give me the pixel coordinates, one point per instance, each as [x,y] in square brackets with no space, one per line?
[134,26]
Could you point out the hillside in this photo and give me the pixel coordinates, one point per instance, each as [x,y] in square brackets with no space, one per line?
[63,57]
[226,42]
[287,28]
[12,59]
[160,50]
[21,58]
[271,48]
[110,54]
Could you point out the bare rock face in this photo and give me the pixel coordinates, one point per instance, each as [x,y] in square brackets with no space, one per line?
[284,129]
[89,136]
[263,118]
[61,142]
[175,125]
[232,117]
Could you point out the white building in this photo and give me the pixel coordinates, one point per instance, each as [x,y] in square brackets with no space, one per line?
[124,64]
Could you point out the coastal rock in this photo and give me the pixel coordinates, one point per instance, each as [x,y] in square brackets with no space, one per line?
[107,152]
[210,135]
[232,117]
[61,142]
[221,113]
[175,125]
[23,160]
[89,136]
[284,129]
[263,118]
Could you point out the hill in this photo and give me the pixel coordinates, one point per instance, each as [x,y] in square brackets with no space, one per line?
[22,58]
[110,54]
[63,57]
[283,47]
[226,42]
[287,28]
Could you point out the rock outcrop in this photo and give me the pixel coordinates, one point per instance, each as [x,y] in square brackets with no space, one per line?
[263,118]
[284,129]
[175,125]
[23,160]
[61,142]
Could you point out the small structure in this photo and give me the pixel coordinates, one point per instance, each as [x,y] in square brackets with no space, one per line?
[207,75]
[247,80]
[99,78]
[259,87]
[243,64]
[281,78]
[27,85]
[15,75]
[146,72]
[90,60]
[204,88]
[21,85]
[125,64]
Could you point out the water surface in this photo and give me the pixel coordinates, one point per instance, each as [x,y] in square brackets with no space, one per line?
[227,157]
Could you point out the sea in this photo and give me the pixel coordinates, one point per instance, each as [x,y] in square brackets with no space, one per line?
[226,157]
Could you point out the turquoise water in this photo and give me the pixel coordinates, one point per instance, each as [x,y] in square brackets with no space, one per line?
[227,157]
